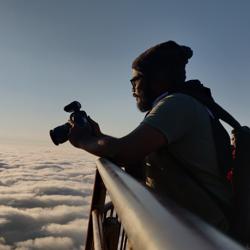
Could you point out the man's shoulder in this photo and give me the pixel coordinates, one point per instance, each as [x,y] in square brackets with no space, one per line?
[179,97]
[178,101]
[176,115]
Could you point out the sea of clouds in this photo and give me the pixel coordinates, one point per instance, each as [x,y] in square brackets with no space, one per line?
[45,195]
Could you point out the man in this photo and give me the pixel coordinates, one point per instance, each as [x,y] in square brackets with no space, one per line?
[175,140]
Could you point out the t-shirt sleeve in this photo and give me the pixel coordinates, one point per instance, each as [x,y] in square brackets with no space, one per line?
[173,116]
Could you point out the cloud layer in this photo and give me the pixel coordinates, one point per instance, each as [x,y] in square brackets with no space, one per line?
[45,194]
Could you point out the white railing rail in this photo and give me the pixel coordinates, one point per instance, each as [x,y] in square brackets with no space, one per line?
[147,222]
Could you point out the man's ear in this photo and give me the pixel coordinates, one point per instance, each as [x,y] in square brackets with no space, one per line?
[161,75]
[162,79]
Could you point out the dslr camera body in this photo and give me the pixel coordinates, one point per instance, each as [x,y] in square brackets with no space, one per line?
[60,134]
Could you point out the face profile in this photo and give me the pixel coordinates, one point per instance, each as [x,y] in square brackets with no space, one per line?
[141,91]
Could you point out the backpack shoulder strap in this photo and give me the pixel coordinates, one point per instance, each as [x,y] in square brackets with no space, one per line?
[203,94]
[222,114]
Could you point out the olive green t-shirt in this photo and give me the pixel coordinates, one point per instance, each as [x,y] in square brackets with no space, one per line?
[186,125]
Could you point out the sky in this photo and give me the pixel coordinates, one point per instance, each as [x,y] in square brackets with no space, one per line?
[54,52]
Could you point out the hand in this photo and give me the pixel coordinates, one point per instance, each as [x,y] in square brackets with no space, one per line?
[96,131]
[78,135]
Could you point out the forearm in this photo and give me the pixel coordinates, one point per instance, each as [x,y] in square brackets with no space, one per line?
[102,145]
[109,147]
[127,150]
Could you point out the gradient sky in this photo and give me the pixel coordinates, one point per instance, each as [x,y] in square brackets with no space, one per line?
[54,52]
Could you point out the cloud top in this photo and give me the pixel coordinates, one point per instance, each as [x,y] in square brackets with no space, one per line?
[45,194]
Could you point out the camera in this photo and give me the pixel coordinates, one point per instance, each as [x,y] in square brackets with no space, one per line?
[60,134]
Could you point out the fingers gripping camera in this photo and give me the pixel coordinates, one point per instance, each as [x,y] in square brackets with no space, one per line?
[60,134]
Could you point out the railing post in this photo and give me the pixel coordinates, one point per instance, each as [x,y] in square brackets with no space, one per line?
[97,230]
[98,200]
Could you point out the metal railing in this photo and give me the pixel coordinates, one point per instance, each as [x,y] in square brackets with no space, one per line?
[147,224]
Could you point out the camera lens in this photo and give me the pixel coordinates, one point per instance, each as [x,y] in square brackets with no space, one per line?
[60,134]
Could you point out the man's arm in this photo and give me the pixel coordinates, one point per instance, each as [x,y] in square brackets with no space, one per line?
[127,150]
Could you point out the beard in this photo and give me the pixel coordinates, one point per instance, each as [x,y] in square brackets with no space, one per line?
[144,100]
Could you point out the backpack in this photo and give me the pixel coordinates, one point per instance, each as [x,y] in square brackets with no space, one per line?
[233,157]
[238,175]
[241,184]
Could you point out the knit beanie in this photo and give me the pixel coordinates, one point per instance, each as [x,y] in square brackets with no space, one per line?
[163,56]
